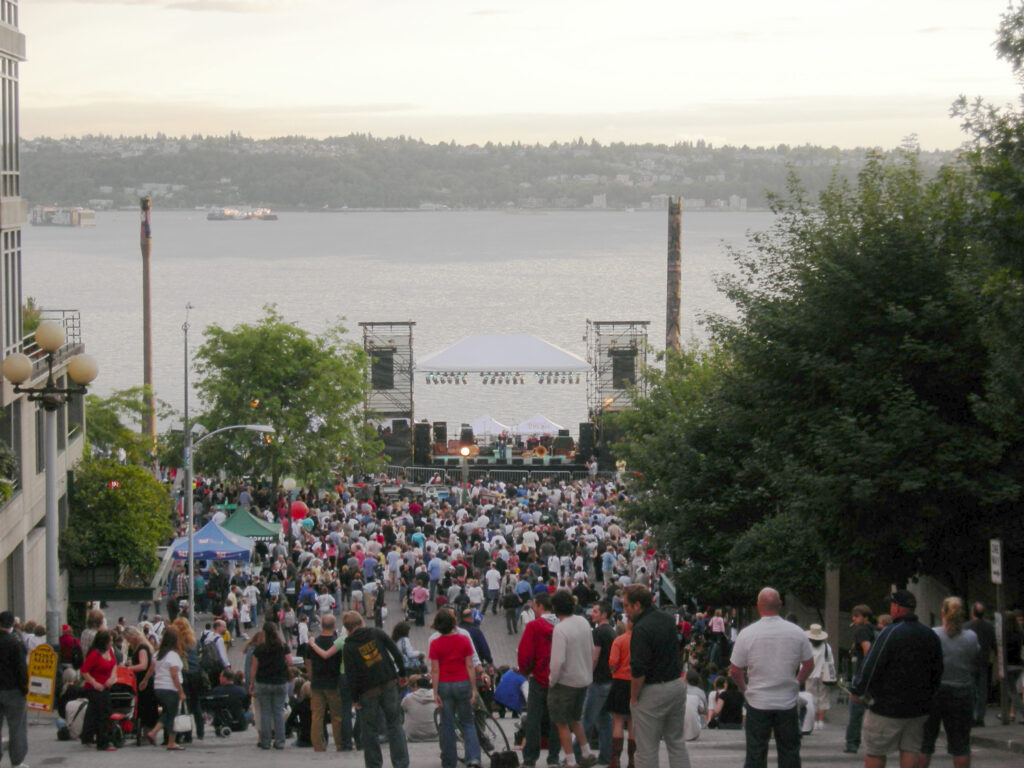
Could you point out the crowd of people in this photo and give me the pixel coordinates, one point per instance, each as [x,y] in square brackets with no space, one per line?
[599,671]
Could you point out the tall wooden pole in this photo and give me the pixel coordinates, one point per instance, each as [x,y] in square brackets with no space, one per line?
[675,272]
[146,244]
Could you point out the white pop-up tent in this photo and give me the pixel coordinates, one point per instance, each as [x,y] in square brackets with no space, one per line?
[510,352]
[485,425]
[538,424]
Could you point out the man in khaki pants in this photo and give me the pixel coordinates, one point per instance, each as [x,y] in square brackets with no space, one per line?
[657,691]
[323,676]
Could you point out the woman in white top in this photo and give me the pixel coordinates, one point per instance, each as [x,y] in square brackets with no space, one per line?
[167,687]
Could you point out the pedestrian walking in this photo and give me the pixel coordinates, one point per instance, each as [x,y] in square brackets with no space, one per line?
[570,674]
[451,669]
[863,637]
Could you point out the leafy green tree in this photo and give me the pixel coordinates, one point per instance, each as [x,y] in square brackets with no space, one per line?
[107,431]
[118,514]
[838,410]
[311,389]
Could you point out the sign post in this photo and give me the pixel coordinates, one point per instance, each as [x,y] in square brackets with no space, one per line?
[42,679]
[995,557]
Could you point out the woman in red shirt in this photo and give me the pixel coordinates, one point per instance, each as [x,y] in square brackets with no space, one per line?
[451,669]
[98,674]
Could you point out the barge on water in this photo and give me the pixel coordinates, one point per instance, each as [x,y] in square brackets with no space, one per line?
[56,216]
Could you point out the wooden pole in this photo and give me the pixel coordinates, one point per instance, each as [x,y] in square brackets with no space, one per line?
[675,273]
[146,245]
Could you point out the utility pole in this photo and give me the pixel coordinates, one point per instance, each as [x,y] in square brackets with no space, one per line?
[146,245]
[675,273]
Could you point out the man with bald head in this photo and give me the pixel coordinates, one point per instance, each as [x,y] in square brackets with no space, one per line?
[771,659]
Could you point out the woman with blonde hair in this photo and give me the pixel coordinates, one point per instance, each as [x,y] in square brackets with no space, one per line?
[140,662]
[195,681]
[953,704]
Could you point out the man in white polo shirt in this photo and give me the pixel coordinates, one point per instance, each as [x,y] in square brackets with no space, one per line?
[770,660]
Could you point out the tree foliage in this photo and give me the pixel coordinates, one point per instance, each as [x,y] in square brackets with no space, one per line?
[118,514]
[107,430]
[839,411]
[311,389]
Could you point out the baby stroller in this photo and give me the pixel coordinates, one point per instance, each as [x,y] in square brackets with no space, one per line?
[124,718]
[223,713]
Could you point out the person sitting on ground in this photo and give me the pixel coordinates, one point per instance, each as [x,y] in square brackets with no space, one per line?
[419,707]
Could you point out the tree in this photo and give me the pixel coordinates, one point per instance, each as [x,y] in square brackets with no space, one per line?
[118,514]
[311,389]
[106,430]
[840,405]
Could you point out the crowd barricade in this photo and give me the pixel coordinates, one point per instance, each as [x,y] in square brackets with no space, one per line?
[422,475]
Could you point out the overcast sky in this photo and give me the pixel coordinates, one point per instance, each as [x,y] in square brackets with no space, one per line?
[739,72]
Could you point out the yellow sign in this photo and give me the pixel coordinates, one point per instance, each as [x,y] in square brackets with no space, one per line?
[42,678]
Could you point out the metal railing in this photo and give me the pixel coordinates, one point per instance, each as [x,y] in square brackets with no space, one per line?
[454,474]
[71,320]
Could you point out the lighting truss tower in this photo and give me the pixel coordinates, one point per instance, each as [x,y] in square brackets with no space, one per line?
[390,373]
[617,353]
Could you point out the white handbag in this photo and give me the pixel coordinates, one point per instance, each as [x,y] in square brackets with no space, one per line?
[183,721]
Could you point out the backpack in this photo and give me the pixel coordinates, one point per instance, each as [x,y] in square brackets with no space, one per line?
[209,658]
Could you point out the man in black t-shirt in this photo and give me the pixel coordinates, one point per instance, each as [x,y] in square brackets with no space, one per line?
[594,712]
[983,673]
[863,637]
[323,676]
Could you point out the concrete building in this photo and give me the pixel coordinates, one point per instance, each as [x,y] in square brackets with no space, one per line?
[23,502]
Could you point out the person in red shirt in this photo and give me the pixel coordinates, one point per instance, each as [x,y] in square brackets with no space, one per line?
[534,658]
[98,674]
[451,669]
[68,644]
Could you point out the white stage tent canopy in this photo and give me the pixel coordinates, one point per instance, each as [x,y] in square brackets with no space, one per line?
[501,352]
[538,424]
[485,425]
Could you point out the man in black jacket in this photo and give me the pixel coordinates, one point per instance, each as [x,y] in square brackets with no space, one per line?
[375,670]
[898,680]
[13,689]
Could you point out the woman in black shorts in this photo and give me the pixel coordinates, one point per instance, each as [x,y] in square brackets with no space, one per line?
[618,696]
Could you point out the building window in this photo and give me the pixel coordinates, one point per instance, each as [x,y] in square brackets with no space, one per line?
[10,434]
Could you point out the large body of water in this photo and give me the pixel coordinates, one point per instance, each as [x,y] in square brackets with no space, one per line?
[453,274]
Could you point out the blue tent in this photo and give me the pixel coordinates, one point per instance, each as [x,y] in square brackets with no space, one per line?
[211,542]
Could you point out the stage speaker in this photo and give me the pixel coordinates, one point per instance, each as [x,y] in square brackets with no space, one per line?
[478,462]
[421,444]
[555,460]
[441,432]
[466,435]
[562,445]
[623,368]
[399,426]
[517,462]
[588,435]
[563,433]
[537,461]
[382,368]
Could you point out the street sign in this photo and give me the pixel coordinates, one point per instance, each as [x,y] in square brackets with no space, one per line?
[995,556]
[42,678]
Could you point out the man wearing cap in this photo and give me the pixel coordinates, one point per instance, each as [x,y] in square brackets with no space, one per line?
[897,682]
[771,659]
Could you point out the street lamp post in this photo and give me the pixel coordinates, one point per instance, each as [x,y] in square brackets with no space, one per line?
[82,369]
[464,453]
[189,448]
[187,498]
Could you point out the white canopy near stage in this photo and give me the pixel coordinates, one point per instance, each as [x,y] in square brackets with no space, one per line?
[485,425]
[538,424]
[503,353]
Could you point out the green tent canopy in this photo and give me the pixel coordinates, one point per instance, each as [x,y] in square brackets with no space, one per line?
[255,528]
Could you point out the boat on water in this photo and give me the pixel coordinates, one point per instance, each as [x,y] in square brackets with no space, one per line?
[57,216]
[241,214]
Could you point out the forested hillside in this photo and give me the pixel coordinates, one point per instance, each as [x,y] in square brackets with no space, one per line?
[361,171]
